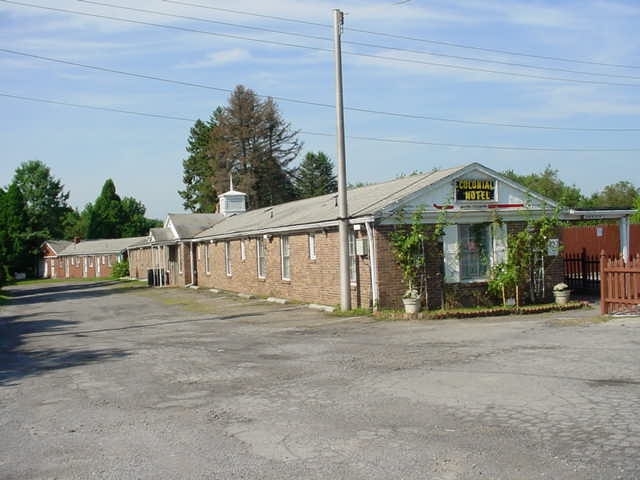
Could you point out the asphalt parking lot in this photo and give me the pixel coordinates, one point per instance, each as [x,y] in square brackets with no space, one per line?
[101,381]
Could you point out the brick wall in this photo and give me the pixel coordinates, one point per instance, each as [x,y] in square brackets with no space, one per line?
[553,265]
[72,266]
[140,261]
[311,280]
[392,286]
[318,280]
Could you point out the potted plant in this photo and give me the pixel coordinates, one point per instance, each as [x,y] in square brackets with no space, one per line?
[561,293]
[407,246]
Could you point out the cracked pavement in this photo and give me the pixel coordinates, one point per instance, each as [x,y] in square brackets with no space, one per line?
[99,380]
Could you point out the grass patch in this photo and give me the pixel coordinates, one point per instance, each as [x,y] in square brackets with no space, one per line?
[479,312]
[354,312]
[4,297]
[576,322]
[53,281]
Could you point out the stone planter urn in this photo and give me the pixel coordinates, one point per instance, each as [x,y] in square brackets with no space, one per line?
[561,293]
[412,304]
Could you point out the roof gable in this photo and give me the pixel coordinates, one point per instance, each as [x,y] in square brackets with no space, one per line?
[188,225]
[469,188]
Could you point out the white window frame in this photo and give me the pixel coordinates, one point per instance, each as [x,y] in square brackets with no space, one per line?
[285,258]
[312,246]
[207,262]
[227,258]
[261,258]
[353,273]
[243,251]
[468,248]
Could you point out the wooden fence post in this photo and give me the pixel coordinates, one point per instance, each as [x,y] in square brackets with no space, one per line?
[603,284]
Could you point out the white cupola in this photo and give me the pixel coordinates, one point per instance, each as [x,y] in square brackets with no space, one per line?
[232,202]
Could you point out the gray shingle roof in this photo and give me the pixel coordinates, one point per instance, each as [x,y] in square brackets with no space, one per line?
[58,245]
[162,234]
[188,225]
[101,247]
[365,201]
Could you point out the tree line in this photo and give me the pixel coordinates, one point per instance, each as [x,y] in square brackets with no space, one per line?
[246,140]
[622,194]
[34,208]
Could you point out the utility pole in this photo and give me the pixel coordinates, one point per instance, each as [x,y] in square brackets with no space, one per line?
[343,211]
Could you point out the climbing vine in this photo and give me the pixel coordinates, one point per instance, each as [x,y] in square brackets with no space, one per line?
[525,261]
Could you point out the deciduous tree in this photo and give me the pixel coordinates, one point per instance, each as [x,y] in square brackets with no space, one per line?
[622,194]
[46,202]
[15,255]
[548,184]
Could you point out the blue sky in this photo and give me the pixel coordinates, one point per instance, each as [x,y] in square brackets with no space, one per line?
[470,66]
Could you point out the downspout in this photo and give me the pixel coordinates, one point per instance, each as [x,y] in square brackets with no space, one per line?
[623,224]
[191,266]
[373,265]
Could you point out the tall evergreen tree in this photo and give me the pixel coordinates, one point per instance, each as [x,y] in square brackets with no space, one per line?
[199,195]
[252,142]
[315,176]
[105,217]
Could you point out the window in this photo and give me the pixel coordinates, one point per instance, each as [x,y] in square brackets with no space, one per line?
[312,246]
[261,255]
[227,258]
[352,258]
[285,258]
[109,260]
[243,252]
[207,264]
[475,251]
[104,260]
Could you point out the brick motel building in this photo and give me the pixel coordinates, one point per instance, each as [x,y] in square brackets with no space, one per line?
[291,250]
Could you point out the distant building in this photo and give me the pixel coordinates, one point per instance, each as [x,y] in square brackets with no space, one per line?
[84,259]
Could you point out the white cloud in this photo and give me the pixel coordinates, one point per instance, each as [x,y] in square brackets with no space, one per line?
[216,59]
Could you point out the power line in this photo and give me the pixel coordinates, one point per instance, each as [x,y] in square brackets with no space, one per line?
[93,107]
[405,37]
[252,14]
[322,134]
[306,47]
[478,146]
[360,44]
[316,104]
[495,50]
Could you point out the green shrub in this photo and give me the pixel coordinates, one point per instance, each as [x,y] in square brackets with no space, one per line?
[120,269]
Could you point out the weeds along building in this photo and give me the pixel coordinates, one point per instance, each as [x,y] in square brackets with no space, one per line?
[291,250]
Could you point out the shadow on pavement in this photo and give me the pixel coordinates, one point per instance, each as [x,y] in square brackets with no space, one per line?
[17,361]
[32,294]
